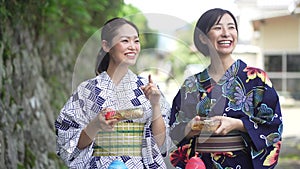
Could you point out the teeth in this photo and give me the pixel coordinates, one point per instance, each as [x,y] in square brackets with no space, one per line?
[225,42]
[130,54]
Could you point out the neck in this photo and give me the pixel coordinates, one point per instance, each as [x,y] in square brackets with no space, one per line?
[117,73]
[221,64]
[218,66]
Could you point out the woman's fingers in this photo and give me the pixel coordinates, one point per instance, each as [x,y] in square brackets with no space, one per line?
[151,91]
[107,124]
[226,125]
[150,79]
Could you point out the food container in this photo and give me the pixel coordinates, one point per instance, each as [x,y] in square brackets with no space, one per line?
[126,114]
[206,124]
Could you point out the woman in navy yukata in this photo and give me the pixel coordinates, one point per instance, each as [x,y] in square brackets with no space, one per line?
[134,143]
[241,97]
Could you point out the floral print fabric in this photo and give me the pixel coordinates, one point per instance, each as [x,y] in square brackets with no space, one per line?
[243,92]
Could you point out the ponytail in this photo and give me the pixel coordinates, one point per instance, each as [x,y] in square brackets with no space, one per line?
[102,61]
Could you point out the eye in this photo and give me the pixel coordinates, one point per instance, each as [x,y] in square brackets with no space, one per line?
[232,27]
[137,41]
[216,27]
[124,40]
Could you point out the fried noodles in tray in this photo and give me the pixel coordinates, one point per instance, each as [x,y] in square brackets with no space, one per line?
[206,124]
[126,114]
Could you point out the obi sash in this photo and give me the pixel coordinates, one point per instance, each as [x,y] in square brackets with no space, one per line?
[219,143]
[126,139]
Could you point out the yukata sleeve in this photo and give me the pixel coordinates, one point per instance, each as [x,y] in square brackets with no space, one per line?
[265,125]
[69,125]
[177,128]
[183,110]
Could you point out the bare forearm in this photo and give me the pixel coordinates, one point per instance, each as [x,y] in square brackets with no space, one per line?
[158,125]
[87,135]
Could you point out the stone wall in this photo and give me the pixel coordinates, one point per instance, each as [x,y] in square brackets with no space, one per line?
[34,83]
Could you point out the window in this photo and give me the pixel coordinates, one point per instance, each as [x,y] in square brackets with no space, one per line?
[284,72]
[277,83]
[293,62]
[294,87]
[273,63]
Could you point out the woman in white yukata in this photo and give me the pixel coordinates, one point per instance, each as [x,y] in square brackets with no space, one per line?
[138,143]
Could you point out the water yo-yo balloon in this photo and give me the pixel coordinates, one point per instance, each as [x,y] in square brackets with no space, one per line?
[195,163]
[117,164]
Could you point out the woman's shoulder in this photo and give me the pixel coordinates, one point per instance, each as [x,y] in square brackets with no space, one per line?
[247,67]
[90,83]
[256,74]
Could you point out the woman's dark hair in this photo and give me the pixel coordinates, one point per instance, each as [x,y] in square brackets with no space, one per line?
[108,32]
[204,24]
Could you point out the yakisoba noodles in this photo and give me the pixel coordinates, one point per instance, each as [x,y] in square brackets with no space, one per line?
[206,124]
[126,114]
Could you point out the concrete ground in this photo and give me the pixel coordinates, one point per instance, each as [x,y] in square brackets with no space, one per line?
[291,117]
[290,152]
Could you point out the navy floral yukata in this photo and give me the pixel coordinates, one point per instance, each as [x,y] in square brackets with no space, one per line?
[243,92]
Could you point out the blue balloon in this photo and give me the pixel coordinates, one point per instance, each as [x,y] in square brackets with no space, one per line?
[117,164]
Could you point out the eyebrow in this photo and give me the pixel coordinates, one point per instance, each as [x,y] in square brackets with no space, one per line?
[227,24]
[129,36]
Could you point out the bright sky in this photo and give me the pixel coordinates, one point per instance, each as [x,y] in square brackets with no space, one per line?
[188,10]
[169,15]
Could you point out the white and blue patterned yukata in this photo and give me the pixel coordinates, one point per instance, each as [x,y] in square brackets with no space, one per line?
[87,101]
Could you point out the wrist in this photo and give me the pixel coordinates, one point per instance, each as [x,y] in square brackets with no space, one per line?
[88,134]
[155,105]
[240,125]
[93,127]
[156,113]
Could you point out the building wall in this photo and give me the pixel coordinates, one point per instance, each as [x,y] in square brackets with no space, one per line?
[280,33]
[249,54]
[279,40]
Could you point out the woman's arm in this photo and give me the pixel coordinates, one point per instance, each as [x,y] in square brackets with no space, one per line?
[158,125]
[90,131]
[153,94]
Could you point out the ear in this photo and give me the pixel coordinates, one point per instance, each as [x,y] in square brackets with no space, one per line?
[203,39]
[105,46]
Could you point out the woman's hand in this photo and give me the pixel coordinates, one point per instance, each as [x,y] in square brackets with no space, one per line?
[189,132]
[99,123]
[228,124]
[103,124]
[151,92]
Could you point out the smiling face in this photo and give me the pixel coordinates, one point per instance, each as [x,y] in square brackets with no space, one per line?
[223,35]
[125,47]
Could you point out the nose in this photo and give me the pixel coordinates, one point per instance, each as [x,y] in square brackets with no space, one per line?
[131,45]
[225,32]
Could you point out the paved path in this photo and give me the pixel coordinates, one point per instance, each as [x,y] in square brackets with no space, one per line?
[291,121]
